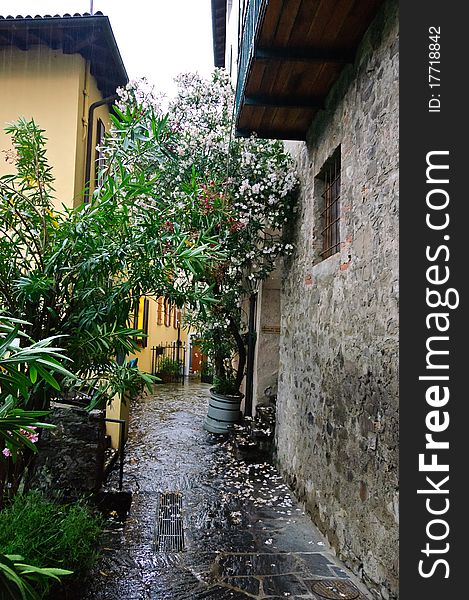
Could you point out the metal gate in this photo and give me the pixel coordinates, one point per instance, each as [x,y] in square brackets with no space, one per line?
[168,360]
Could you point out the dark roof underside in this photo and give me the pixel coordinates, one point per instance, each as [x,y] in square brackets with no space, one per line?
[88,35]
[292,54]
[219,32]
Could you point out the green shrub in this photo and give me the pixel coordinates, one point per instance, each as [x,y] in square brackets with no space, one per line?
[48,534]
[169,366]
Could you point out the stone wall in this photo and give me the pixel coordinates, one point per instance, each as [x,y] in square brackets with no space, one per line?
[337,408]
[70,461]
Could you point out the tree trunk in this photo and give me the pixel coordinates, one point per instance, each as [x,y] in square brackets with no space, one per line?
[218,360]
[241,352]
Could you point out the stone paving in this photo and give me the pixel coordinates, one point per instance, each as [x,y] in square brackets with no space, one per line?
[245,535]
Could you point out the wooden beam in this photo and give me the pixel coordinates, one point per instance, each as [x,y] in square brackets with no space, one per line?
[19,41]
[104,77]
[267,101]
[44,36]
[273,134]
[5,39]
[305,55]
[85,43]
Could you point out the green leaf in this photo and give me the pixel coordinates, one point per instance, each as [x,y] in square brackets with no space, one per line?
[48,572]
[48,377]
[32,373]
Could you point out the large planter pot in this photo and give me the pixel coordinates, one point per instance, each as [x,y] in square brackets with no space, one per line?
[223,412]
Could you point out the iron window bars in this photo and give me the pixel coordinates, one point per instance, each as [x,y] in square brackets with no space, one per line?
[330,214]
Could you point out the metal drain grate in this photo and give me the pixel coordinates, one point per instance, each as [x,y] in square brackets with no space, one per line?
[169,531]
[335,590]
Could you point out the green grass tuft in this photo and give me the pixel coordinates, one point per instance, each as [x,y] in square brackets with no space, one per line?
[48,534]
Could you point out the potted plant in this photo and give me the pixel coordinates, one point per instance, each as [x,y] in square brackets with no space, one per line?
[225,396]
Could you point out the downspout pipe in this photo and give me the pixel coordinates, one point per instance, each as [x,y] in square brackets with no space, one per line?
[250,356]
[89,141]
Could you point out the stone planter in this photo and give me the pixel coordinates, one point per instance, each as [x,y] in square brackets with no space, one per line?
[70,461]
[223,412]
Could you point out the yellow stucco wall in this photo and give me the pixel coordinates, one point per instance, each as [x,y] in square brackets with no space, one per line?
[118,409]
[54,89]
[157,334]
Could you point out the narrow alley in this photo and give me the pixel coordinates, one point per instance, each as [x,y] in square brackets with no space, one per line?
[244,535]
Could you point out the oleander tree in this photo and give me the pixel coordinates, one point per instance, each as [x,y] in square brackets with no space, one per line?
[78,272]
[245,194]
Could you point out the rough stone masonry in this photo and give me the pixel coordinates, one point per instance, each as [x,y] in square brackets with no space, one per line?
[337,431]
[70,462]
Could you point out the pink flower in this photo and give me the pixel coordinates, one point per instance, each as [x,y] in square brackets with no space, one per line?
[32,436]
[236,226]
[6,452]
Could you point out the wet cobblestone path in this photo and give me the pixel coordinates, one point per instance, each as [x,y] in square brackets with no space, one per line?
[244,534]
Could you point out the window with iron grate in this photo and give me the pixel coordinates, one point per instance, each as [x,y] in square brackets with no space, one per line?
[328,182]
[160,310]
[177,317]
[167,312]
[100,160]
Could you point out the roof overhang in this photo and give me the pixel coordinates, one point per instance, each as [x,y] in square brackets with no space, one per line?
[88,35]
[219,32]
[291,55]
